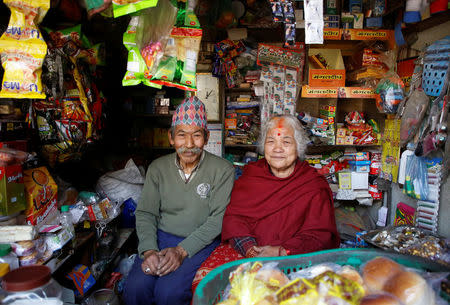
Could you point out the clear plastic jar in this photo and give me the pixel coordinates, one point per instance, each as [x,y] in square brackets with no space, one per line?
[8,257]
[31,285]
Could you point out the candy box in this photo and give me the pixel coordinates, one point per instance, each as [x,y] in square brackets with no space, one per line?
[362,156]
[12,195]
[345,180]
[41,194]
[359,166]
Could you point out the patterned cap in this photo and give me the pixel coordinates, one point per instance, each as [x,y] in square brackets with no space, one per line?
[190,112]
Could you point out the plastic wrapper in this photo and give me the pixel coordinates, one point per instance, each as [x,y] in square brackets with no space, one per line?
[415,109]
[179,65]
[137,71]
[390,93]
[12,156]
[23,49]
[96,6]
[153,31]
[125,7]
[416,179]
[251,283]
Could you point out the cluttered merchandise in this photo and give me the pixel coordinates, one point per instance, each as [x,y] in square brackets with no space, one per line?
[232,152]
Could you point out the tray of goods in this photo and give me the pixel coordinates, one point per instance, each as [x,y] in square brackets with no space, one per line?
[411,241]
[338,276]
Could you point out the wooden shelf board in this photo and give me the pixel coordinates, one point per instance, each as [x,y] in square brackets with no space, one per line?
[337,92]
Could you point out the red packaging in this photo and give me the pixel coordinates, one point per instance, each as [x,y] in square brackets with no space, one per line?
[374,192]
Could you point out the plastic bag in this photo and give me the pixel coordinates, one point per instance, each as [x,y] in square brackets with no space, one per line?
[153,31]
[23,49]
[415,110]
[125,7]
[179,64]
[137,71]
[416,179]
[96,6]
[122,184]
[390,93]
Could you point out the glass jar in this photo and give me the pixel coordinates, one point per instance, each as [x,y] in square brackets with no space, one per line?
[31,285]
[8,257]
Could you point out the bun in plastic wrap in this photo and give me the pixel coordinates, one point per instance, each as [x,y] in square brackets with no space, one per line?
[379,271]
[380,299]
[411,289]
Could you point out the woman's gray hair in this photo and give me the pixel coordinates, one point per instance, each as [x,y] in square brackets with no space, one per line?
[300,136]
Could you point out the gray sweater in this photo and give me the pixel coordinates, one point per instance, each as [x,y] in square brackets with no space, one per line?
[193,210]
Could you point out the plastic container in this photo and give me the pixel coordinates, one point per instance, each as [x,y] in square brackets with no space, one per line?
[103,297]
[66,219]
[210,290]
[8,257]
[31,285]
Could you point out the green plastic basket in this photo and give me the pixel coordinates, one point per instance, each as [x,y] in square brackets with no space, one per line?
[210,290]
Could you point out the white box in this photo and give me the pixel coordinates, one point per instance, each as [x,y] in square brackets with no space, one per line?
[360,181]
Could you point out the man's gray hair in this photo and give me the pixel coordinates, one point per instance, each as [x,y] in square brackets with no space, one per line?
[300,136]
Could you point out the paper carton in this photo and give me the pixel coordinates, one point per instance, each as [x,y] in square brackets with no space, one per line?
[12,195]
[333,75]
[41,195]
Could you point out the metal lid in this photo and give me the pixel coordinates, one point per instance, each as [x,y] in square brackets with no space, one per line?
[5,249]
[27,278]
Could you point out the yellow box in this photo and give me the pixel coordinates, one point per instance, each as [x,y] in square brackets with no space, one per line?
[345,180]
[348,140]
[41,193]
[333,75]
[341,132]
[340,141]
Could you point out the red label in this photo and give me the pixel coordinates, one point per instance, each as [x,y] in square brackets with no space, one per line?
[91,213]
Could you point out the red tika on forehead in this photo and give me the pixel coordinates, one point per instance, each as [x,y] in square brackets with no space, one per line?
[280,123]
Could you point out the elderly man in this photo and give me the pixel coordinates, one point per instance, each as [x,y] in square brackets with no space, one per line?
[179,215]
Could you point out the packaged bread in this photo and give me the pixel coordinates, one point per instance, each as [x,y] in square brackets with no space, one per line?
[377,272]
[410,288]
[380,299]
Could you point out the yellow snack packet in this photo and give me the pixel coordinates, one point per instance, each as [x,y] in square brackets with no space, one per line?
[23,50]
[299,291]
[334,285]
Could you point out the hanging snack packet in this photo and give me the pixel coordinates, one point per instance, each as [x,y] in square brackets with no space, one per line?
[390,92]
[179,65]
[153,31]
[23,49]
[137,71]
[186,16]
[125,7]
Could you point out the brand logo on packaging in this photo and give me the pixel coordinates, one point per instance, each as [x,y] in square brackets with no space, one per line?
[14,178]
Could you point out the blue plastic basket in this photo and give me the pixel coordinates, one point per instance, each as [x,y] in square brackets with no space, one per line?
[435,68]
[210,290]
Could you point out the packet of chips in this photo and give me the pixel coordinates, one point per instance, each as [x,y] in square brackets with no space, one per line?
[23,49]
[137,71]
[125,7]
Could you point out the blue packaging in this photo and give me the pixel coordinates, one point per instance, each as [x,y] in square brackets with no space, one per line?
[128,218]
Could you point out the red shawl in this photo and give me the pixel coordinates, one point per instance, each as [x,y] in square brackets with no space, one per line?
[295,212]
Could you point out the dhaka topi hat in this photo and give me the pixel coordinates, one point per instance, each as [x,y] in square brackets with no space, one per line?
[190,112]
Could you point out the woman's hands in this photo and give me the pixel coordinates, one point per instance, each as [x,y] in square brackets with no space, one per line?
[266,251]
[163,262]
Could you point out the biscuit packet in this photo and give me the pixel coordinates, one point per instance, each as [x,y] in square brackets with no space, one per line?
[23,49]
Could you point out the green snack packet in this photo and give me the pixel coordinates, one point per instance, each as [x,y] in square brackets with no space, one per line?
[125,7]
[136,68]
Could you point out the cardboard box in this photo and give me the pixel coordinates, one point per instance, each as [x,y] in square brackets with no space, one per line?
[328,108]
[340,141]
[358,22]
[327,113]
[12,192]
[360,181]
[345,180]
[334,73]
[41,194]
[359,166]
[341,132]
[230,124]
[348,140]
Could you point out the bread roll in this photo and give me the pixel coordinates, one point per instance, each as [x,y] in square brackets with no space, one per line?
[351,274]
[410,288]
[377,272]
[380,299]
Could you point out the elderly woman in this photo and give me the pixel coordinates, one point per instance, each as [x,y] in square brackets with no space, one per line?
[280,205]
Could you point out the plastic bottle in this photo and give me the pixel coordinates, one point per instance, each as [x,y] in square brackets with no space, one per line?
[8,257]
[66,220]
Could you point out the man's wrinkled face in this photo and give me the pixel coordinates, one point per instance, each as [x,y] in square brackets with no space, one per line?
[189,142]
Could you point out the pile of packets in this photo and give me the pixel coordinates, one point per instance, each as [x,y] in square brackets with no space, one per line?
[320,130]
[163,43]
[351,175]
[357,131]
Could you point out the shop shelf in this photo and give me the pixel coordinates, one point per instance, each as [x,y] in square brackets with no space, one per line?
[337,92]
[357,34]
[428,23]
